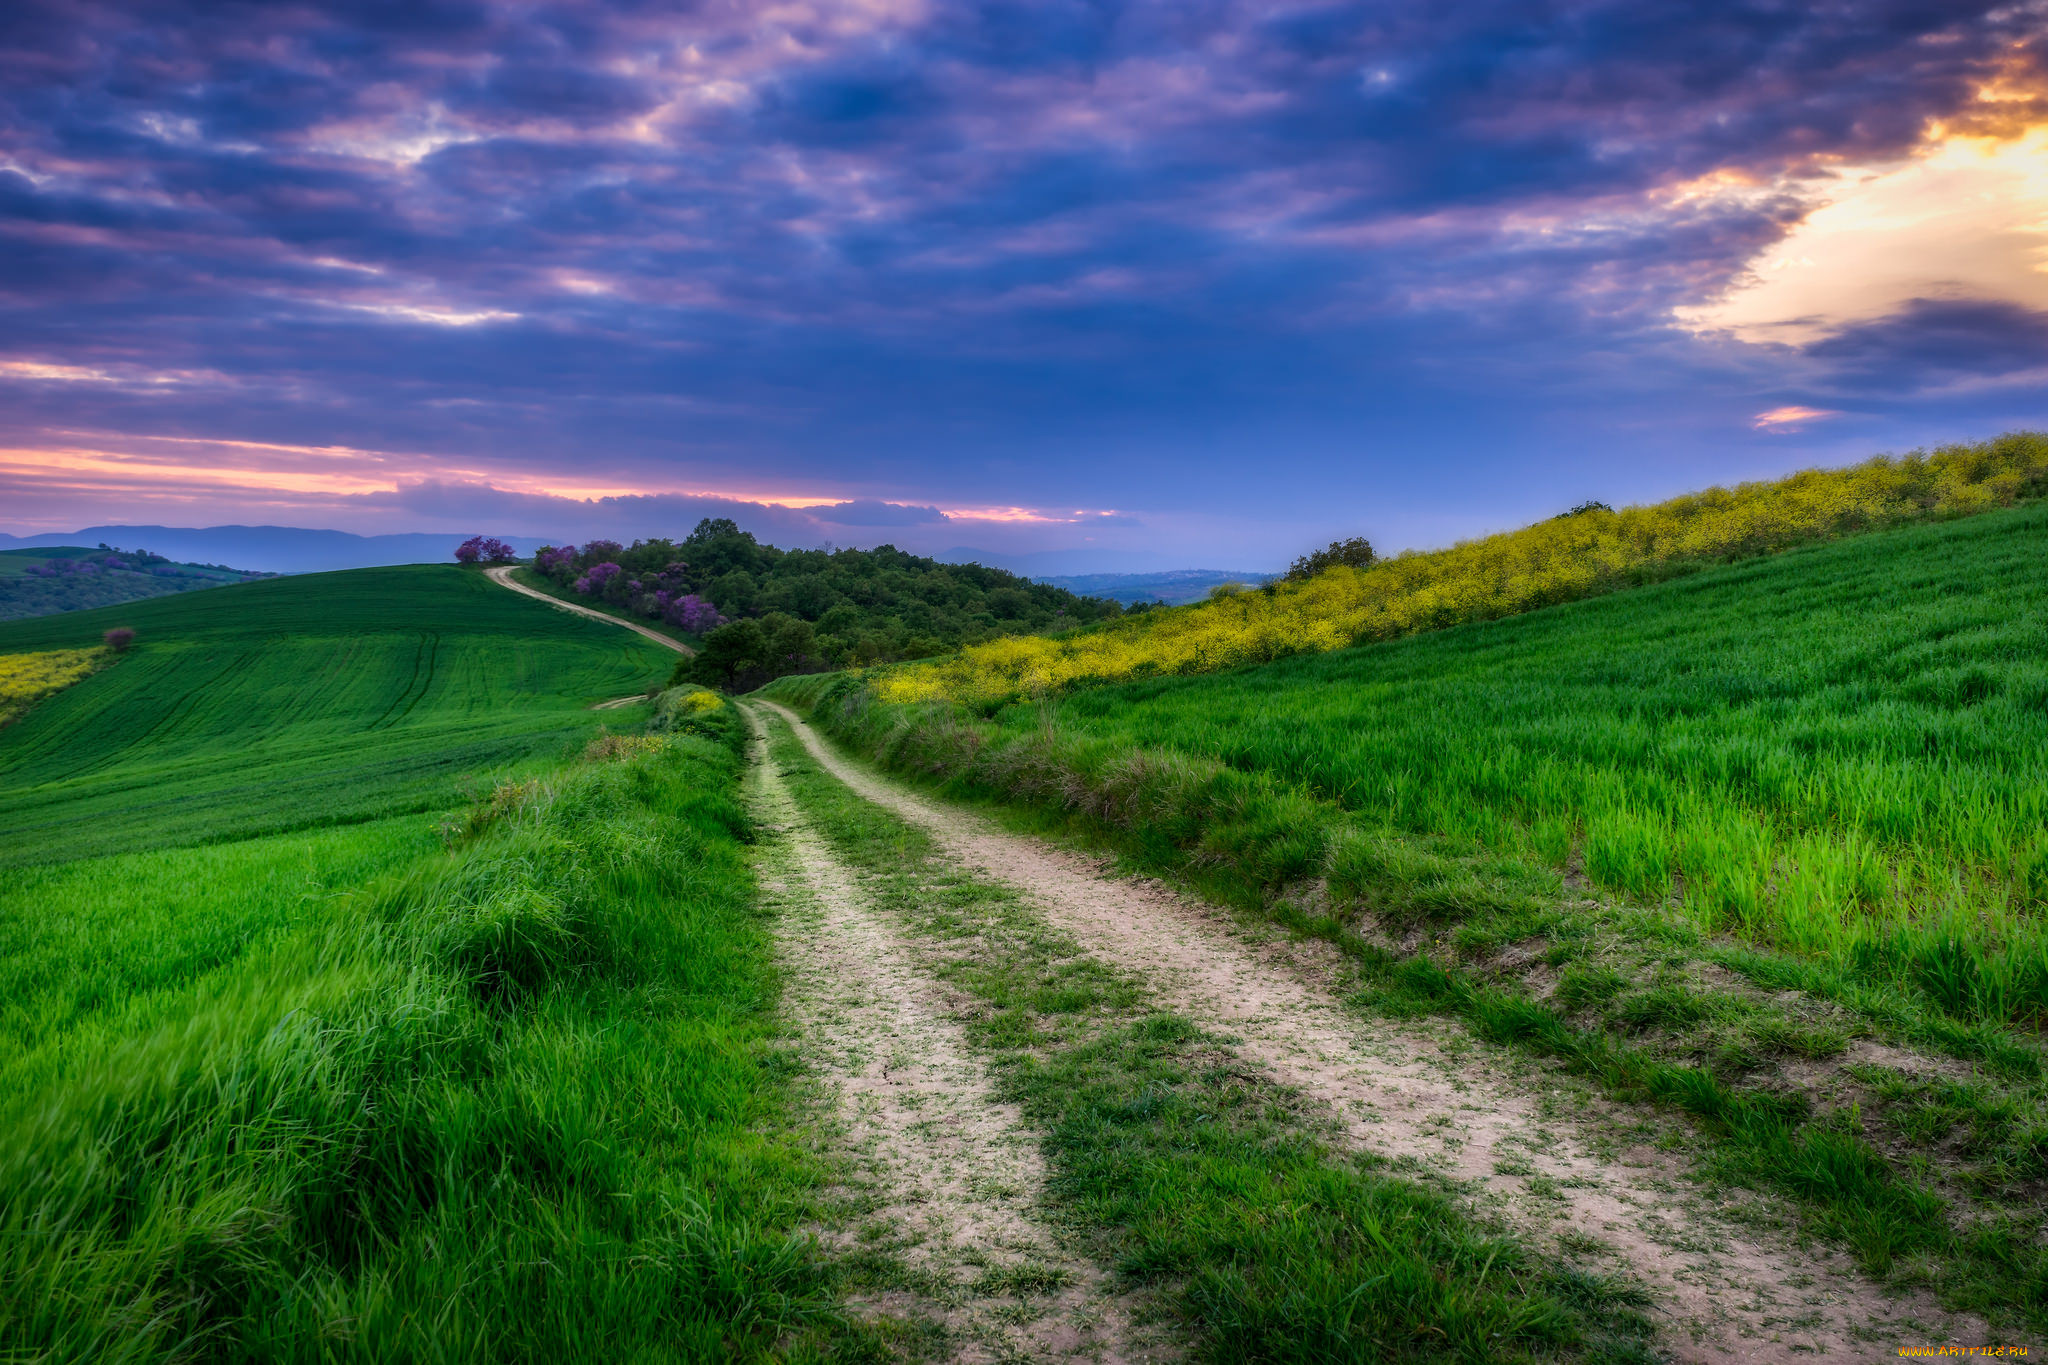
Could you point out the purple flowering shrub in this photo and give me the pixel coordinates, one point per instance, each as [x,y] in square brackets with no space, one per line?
[693,614]
[598,579]
[487,548]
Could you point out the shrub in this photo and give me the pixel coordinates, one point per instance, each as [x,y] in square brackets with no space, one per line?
[119,638]
[1354,553]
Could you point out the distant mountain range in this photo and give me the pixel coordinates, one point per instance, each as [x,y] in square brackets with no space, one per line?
[272,549]
[1125,575]
[1172,586]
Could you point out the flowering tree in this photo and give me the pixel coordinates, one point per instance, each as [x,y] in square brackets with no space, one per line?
[597,577]
[119,638]
[488,548]
[693,614]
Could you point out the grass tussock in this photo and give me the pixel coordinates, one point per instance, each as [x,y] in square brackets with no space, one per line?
[26,679]
[515,1099]
[1562,560]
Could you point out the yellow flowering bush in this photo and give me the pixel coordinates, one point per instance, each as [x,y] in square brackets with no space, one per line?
[1554,561]
[26,679]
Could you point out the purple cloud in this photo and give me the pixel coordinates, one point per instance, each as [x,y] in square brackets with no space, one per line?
[1129,249]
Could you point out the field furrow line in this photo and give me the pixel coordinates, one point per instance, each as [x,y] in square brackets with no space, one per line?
[1732,1288]
[950,1178]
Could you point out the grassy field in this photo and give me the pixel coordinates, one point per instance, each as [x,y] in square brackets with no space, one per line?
[1840,751]
[357,1094]
[296,702]
[1697,841]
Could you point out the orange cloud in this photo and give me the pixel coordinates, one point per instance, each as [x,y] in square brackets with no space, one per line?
[1790,418]
[1965,218]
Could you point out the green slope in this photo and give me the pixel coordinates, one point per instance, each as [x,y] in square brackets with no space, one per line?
[1702,842]
[295,702]
[1826,750]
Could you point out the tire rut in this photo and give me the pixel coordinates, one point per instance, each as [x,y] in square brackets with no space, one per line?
[952,1175]
[1729,1288]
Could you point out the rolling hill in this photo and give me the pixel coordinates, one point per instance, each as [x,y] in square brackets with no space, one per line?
[295,702]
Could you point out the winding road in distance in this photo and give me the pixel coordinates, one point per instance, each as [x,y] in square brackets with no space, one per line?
[502,576]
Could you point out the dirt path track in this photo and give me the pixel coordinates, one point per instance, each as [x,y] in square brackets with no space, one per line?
[954,1175]
[1729,1291]
[502,576]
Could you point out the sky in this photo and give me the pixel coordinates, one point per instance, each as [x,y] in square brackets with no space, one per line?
[1164,284]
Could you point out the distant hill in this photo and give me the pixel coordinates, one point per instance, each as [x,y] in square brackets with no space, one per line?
[50,579]
[1173,586]
[273,549]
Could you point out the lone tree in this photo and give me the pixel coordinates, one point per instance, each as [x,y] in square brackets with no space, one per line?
[1354,553]
[119,638]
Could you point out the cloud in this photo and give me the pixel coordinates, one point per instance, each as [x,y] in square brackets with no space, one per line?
[871,512]
[1938,344]
[1791,417]
[1964,219]
[1141,254]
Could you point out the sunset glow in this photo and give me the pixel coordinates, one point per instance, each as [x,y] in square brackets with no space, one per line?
[940,275]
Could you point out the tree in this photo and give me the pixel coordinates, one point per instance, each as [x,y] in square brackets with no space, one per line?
[1354,553]
[119,638]
[470,551]
[714,528]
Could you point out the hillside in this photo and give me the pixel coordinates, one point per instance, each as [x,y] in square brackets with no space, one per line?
[38,582]
[293,702]
[1695,840]
[1589,550]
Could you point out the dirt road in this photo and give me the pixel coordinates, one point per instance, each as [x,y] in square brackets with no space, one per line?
[502,576]
[951,1177]
[1732,1287]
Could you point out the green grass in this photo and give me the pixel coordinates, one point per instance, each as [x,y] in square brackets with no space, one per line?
[1626,835]
[1839,751]
[83,938]
[1209,1188]
[352,1099]
[296,702]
